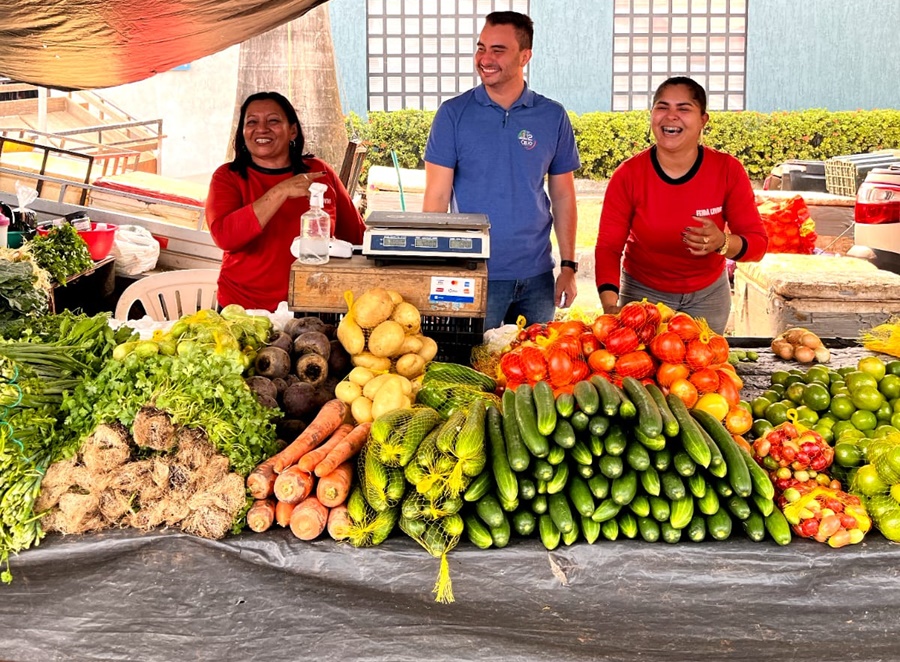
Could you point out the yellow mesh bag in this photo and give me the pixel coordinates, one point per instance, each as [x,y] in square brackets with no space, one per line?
[367,526]
[395,436]
[383,487]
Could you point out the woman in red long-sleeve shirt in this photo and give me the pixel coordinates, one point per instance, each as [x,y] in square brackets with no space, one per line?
[255,203]
[677,210]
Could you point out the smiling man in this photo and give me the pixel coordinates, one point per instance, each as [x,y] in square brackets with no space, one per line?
[489,152]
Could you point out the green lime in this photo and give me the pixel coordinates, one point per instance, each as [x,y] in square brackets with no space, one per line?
[849,435]
[760,427]
[872,365]
[838,386]
[895,405]
[795,392]
[846,370]
[869,482]
[863,419]
[777,388]
[842,407]
[842,426]
[793,379]
[825,432]
[866,397]
[777,413]
[758,406]
[847,454]
[780,376]
[818,373]
[890,386]
[884,412]
[770,395]
[828,419]
[806,416]
[885,431]
[889,524]
[859,378]
[895,419]
[816,397]
[892,368]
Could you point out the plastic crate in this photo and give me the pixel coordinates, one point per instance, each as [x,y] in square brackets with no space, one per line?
[455,336]
[844,174]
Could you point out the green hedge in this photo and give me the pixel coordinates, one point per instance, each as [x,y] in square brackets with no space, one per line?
[759,140]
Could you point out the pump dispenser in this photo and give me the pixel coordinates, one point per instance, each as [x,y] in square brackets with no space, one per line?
[315,228]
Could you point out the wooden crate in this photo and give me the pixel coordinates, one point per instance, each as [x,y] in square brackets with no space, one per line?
[446,290]
[832,296]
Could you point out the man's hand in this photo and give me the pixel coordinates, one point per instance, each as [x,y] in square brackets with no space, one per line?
[566,288]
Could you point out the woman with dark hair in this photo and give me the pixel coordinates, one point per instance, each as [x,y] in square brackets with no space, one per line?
[677,210]
[255,202]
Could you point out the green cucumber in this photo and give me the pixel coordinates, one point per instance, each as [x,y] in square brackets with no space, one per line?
[628,525]
[624,488]
[606,509]
[549,534]
[611,466]
[571,537]
[500,534]
[581,453]
[738,506]
[580,421]
[584,470]
[527,488]
[590,529]
[610,529]
[516,451]
[681,512]
[504,478]
[778,527]
[669,533]
[648,528]
[717,466]
[627,408]
[708,504]
[489,510]
[559,480]
[598,425]
[615,442]
[672,485]
[755,527]
[564,434]
[650,481]
[656,443]
[738,472]
[556,455]
[599,486]
[640,505]
[480,486]
[524,523]
[763,505]
[683,464]
[660,508]
[542,470]
[670,423]
[545,407]
[580,496]
[662,459]
[586,397]
[526,418]
[565,405]
[637,457]
[762,484]
[539,504]
[691,440]
[723,488]
[696,530]
[596,444]
[719,524]
[479,535]
[649,419]
[609,396]
[697,485]
[560,512]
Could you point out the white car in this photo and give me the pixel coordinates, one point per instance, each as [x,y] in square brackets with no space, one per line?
[876,218]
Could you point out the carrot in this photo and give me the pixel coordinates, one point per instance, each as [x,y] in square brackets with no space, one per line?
[349,446]
[334,488]
[308,519]
[261,481]
[261,514]
[339,523]
[293,485]
[309,461]
[329,418]
[283,511]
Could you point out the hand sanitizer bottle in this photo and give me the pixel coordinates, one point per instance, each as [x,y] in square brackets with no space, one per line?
[315,228]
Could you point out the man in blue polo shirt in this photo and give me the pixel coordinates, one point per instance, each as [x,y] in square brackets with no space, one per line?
[488,152]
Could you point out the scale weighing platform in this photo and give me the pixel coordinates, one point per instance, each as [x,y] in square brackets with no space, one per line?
[427,236]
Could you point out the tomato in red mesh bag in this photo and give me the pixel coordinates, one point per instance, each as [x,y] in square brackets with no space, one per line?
[793,455]
[826,514]
[789,226]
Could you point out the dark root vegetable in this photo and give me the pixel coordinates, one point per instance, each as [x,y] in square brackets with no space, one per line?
[292,379]
[312,369]
[339,360]
[262,386]
[297,325]
[284,341]
[290,429]
[312,342]
[299,400]
[280,384]
[266,401]
[273,362]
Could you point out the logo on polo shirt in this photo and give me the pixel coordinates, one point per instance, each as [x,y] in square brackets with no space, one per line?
[527,139]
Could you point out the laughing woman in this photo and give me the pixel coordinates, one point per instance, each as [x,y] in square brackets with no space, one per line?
[677,210]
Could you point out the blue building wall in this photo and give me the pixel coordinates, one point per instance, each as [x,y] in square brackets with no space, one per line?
[834,54]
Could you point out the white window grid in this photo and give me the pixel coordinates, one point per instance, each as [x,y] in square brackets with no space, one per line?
[656,39]
[421,52]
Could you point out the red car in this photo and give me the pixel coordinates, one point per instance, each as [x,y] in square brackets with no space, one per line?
[877,217]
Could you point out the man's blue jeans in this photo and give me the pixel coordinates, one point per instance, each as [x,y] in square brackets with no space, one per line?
[534,298]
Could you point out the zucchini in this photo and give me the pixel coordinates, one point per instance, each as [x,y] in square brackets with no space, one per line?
[586,397]
[755,527]
[681,512]
[598,425]
[624,488]
[590,529]
[500,534]
[609,396]
[599,486]
[778,527]
[660,509]
[560,512]
[526,418]
[640,505]
[611,466]
[556,455]
[478,534]
[504,478]
[670,423]
[489,510]
[615,442]
[683,464]
[571,537]
[607,509]
[516,451]
[524,523]
[662,459]
[697,485]
[637,457]
[550,535]
[738,473]
[584,470]
[545,407]
[650,481]
[649,419]
[708,504]
[610,529]
[480,486]
[565,405]
[564,434]
[719,524]
[580,421]
[738,506]
[527,488]
[672,485]
[627,408]
[581,453]
[580,496]
[596,444]
[691,440]
[669,533]
[560,477]
[628,525]
[763,505]
[656,443]
[539,504]
[542,470]
[696,530]
[648,528]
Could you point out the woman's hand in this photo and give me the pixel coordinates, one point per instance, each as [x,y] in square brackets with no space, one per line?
[271,201]
[704,238]
[298,185]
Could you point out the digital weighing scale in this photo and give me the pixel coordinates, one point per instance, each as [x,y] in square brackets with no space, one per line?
[427,236]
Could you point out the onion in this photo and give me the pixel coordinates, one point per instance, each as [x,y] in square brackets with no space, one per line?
[804,354]
[811,340]
[822,354]
[782,349]
[793,335]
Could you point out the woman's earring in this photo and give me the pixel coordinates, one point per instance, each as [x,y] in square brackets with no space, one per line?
[293,144]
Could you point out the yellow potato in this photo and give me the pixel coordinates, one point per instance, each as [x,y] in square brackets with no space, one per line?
[372,308]
[360,375]
[351,335]
[411,345]
[347,391]
[429,349]
[410,365]
[370,361]
[386,338]
[389,397]
[370,390]
[407,315]
[361,410]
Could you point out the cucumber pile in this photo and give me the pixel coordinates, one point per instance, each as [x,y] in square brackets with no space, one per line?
[614,461]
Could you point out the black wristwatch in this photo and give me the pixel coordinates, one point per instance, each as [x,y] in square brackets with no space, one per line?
[572,264]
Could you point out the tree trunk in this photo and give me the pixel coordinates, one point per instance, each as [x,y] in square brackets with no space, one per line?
[297,60]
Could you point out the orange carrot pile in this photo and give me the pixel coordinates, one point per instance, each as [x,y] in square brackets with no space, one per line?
[305,485]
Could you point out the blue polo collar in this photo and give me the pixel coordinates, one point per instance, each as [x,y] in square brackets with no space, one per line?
[525,99]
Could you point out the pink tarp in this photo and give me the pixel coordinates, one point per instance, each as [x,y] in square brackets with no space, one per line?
[85,44]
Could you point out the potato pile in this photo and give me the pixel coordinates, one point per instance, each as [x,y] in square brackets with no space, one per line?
[800,344]
[382,334]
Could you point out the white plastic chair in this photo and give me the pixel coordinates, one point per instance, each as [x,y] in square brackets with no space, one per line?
[169,295]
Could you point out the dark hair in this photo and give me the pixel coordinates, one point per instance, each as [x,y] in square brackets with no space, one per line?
[242,158]
[523,24]
[697,91]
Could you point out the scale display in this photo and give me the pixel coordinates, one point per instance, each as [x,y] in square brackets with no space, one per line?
[427,235]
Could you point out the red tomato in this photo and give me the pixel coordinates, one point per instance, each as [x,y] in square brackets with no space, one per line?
[569,344]
[633,315]
[621,341]
[635,364]
[571,328]
[698,354]
[560,367]
[589,343]
[654,317]
[720,348]
[668,347]
[647,333]
[684,325]
[603,325]
[706,380]
[685,391]
[533,364]
[728,391]
[580,371]
[511,366]
[669,372]
[601,360]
